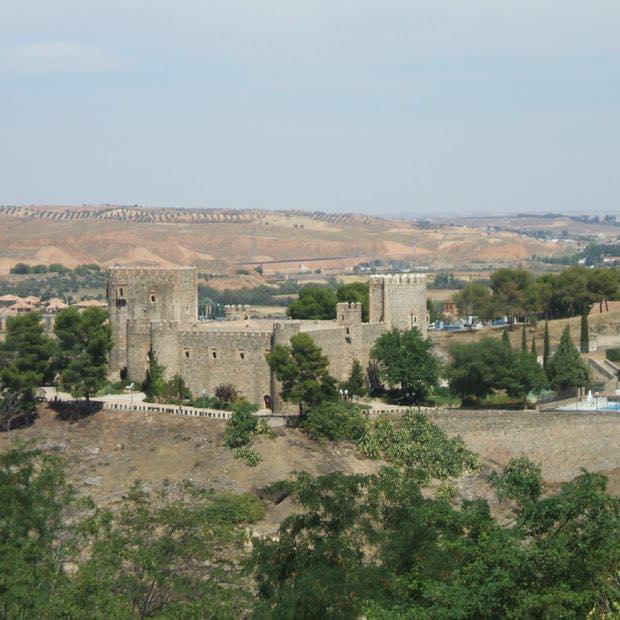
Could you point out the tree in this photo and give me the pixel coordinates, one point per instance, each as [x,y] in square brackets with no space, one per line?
[175,391]
[154,384]
[524,339]
[84,343]
[584,337]
[406,363]
[315,302]
[506,339]
[566,369]
[25,364]
[512,291]
[357,383]
[356,292]
[546,346]
[20,269]
[523,375]
[475,299]
[303,370]
[226,392]
[603,285]
[478,369]
[240,428]
[534,350]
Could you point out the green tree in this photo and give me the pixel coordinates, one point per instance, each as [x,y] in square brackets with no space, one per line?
[512,291]
[506,339]
[357,383]
[406,363]
[175,391]
[476,299]
[603,285]
[523,375]
[315,302]
[20,269]
[303,370]
[478,369]
[25,364]
[240,428]
[84,343]
[355,292]
[154,383]
[566,369]
[534,350]
[337,421]
[584,337]
[546,347]
[524,339]
[35,537]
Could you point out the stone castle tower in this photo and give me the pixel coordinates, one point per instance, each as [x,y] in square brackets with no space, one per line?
[399,301]
[139,297]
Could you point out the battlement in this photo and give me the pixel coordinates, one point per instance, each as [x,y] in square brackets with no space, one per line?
[399,300]
[397,278]
[348,312]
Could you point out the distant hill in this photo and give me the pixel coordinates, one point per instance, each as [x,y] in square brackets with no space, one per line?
[219,239]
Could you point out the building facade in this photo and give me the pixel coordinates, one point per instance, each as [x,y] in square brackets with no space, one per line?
[157,309]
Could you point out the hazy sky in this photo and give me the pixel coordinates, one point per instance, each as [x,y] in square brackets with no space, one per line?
[382,106]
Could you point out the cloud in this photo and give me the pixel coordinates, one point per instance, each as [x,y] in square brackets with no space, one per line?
[58,57]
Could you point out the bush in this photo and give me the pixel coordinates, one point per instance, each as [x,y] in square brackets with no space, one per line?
[226,392]
[250,457]
[417,442]
[338,421]
[229,509]
[240,428]
[613,355]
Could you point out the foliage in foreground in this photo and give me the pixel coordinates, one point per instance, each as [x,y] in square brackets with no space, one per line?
[157,558]
[377,547]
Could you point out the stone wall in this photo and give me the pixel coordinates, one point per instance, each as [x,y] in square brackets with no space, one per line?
[399,300]
[150,294]
[210,358]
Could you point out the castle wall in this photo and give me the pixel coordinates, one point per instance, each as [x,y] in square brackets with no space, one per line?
[210,358]
[158,308]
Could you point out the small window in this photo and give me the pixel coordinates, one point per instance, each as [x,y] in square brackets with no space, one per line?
[187,353]
[241,355]
[121,293]
[152,297]
[214,354]
[348,331]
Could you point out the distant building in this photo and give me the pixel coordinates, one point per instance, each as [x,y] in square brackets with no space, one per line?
[157,309]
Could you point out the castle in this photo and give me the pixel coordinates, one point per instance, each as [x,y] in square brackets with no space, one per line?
[157,308]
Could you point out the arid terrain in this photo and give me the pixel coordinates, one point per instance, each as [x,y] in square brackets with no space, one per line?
[283,241]
[107,452]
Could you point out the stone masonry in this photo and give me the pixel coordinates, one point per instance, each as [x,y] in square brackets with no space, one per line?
[157,308]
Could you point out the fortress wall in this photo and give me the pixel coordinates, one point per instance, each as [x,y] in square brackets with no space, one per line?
[164,339]
[208,359]
[138,344]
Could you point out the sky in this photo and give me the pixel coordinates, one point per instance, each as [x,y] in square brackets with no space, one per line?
[399,107]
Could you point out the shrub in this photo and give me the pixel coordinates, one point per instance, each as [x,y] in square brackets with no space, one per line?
[240,428]
[250,457]
[226,392]
[613,355]
[417,442]
[338,421]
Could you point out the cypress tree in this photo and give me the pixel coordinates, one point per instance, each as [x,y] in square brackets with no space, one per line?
[584,340]
[506,339]
[546,346]
[534,350]
[566,369]
[523,340]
